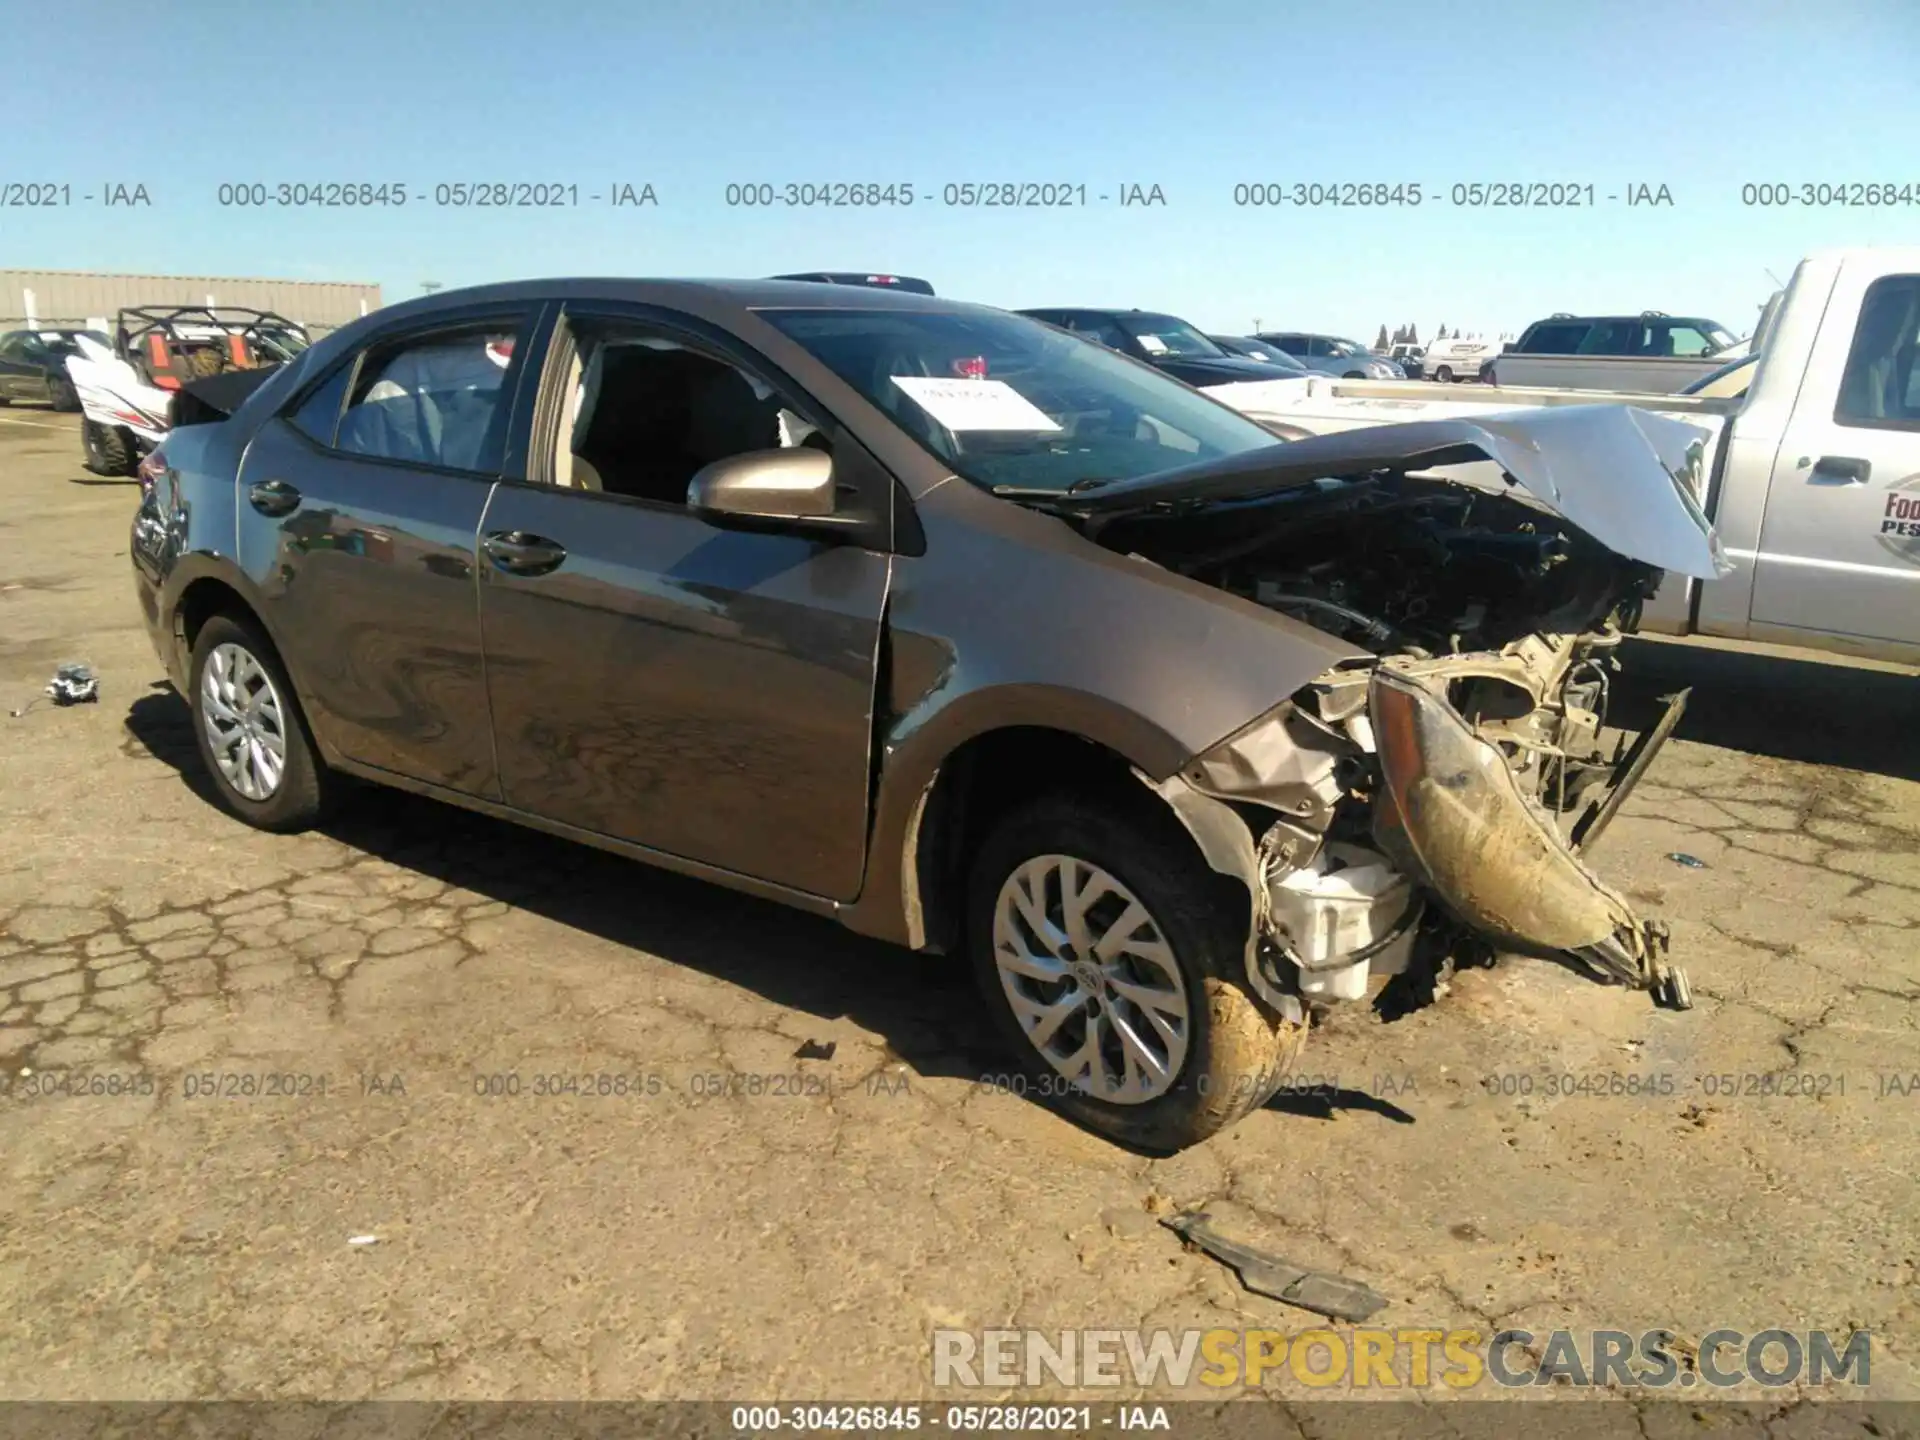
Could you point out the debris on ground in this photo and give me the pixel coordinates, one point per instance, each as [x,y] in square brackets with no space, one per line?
[816,1049]
[1335,1296]
[72,684]
[363,1240]
[1692,862]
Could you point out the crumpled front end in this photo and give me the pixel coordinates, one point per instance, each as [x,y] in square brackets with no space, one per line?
[1382,831]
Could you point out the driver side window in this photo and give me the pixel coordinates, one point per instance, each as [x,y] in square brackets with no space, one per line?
[642,413]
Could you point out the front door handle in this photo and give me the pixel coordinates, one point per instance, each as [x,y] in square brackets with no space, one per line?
[274,497]
[1839,470]
[518,553]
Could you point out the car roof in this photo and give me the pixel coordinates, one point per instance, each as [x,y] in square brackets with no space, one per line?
[691,293]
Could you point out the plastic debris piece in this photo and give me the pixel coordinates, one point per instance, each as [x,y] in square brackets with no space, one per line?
[74,684]
[1692,862]
[816,1049]
[363,1240]
[1334,1296]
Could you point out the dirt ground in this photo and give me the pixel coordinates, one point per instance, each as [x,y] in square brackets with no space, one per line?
[690,1233]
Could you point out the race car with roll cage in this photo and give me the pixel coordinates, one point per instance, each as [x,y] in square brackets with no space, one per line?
[126,385]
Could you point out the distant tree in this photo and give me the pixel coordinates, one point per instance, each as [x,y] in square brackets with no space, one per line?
[1413,333]
[1380,341]
[1441,334]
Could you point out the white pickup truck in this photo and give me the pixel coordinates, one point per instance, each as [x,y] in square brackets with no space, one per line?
[1812,476]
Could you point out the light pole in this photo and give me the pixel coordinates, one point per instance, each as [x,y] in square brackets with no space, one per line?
[427,287]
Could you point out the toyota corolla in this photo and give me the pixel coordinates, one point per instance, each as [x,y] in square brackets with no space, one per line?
[933,619]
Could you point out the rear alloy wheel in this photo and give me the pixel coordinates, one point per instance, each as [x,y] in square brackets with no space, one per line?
[1111,957]
[107,448]
[1444,374]
[252,736]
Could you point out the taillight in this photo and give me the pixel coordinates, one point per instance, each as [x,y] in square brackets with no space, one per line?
[152,466]
[974,367]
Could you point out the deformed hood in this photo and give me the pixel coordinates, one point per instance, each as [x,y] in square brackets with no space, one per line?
[1627,477]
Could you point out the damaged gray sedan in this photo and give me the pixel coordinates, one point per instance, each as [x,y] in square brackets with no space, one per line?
[934,620]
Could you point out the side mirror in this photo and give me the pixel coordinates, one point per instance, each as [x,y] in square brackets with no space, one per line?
[764,485]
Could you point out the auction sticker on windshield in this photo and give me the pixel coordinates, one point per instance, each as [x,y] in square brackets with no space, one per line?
[1152,344]
[974,404]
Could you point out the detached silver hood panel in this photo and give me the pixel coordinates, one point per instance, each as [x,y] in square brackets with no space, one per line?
[1627,477]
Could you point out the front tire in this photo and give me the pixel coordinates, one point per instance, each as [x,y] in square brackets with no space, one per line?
[108,449]
[252,735]
[1444,374]
[1111,957]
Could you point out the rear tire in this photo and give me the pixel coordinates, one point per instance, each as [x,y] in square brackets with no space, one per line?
[1222,1056]
[109,449]
[251,732]
[62,396]
[1444,374]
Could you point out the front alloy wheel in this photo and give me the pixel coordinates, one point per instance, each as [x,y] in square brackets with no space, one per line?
[1091,979]
[1113,960]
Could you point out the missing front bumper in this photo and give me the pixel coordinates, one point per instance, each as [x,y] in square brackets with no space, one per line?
[1452,815]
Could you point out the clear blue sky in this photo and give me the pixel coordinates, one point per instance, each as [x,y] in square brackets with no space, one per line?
[1192,95]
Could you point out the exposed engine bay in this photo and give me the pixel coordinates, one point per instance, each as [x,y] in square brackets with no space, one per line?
[1428,808]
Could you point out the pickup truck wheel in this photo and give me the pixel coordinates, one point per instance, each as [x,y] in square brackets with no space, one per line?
[61,395]
[1111,958]
[252,737]
[1444,374]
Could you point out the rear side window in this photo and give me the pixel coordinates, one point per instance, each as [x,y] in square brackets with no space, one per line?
[1610,337]
[1880,388]
[1292,344]
[436,399]
[1554,337]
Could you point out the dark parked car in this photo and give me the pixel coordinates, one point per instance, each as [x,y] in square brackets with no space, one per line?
[937,621]
[1164,342]
[33,366]
[1248,348]
[860,277]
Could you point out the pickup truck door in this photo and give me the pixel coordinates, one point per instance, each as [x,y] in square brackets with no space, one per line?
[1839,548]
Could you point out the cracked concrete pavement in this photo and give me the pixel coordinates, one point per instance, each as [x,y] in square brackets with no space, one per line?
[562,1091]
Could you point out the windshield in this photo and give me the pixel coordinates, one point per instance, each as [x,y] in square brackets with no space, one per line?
[1346,349]
[1718,338]
[1260,350]
[1164,335]
[1005,400]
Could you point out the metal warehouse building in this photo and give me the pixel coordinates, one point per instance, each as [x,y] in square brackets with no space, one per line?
[81,297]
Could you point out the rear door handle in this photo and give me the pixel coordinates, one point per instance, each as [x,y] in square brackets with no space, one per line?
[518,553]
[274,497]
[1839,470]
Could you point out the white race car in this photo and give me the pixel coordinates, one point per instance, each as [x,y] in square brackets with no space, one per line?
[126,388]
